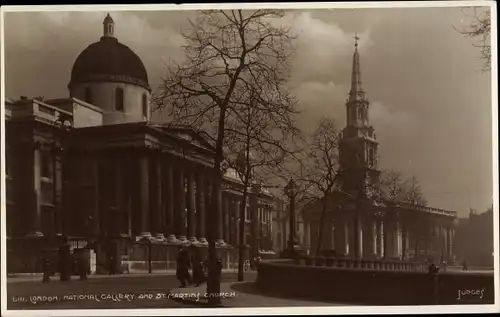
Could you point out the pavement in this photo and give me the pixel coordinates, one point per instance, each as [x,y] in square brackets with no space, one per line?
[37,277]
[241,294]
[127,291]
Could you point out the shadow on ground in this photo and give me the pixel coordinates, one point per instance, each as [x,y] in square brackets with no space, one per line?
[251,288]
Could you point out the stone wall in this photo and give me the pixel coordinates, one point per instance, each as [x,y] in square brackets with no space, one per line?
[374,287]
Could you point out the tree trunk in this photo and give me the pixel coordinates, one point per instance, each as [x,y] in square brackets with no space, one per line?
[241,237]
[213,281]
[321,227]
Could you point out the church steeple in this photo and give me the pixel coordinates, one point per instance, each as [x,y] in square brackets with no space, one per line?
[109,27]
[358,145]
[356,92]
[357,104]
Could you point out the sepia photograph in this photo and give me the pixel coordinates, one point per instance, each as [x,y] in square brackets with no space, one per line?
[306,158]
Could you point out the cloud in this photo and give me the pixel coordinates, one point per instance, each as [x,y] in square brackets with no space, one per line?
[430,105]
[384,118]
[322,48]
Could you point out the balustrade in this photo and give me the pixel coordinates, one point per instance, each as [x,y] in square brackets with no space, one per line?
[379,265]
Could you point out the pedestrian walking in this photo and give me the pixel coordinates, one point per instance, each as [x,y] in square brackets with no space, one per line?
[111,265]
[183,265]
[198,267]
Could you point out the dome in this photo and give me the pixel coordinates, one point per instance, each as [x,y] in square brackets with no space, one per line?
[109,60]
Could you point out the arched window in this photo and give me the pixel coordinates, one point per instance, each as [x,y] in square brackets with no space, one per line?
[360,114]
[119,99]
[88,95]
[145,105]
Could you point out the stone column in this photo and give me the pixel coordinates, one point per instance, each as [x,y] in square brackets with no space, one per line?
[374,233]
[200,208]
[327,235]
[450,244]
[208,202]
[230,216]
[341,237]
[35,229]
[169,200]
[390,237]
[95,196]
[191,223]
[399,239]
[159,208]
[225,217]
[386,238]
[368,239]
[307,235]
[180,210]
[144,195]
[119,195]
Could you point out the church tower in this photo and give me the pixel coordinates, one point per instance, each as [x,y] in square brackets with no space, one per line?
[358,146]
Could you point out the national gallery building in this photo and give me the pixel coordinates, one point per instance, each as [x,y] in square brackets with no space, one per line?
[93,167]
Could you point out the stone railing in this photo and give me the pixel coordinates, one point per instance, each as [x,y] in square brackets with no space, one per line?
[349,263]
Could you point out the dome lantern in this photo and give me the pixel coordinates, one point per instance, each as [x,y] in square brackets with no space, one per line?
[109,26]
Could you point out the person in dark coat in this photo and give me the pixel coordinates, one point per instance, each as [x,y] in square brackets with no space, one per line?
[111,265]
[198,267]
[183,265]
[464,266]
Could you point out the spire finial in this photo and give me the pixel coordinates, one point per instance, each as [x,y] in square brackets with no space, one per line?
[356,38]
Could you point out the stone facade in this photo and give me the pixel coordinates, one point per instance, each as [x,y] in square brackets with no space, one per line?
[99,170]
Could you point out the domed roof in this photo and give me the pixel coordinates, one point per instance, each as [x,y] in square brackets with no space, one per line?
[109,60]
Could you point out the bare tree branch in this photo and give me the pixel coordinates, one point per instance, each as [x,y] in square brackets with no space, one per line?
[478,21]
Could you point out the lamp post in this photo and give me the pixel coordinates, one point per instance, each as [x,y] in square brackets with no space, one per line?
[65,124]
[290,191]
[85,252]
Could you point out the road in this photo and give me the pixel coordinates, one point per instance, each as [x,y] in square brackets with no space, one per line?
[124,292]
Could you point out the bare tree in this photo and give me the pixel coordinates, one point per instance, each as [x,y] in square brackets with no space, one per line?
[321,168]
[257,146]
[478,27]
[225,50]
[392,186]
[394,189]
[413,193]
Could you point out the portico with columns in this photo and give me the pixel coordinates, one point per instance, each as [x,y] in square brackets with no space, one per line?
[94,166]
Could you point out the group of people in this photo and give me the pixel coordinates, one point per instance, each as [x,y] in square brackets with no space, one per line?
[194,262]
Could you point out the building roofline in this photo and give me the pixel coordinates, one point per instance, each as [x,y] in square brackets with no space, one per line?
[76,100]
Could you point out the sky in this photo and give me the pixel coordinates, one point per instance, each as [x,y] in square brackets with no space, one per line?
[430,103]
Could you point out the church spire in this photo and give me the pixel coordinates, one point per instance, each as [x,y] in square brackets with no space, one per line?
[356,92]
[109,27]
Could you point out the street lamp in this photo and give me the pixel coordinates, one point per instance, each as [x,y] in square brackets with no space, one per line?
[65,124]
[290,191]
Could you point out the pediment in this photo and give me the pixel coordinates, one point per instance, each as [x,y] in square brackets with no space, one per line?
[189,135]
